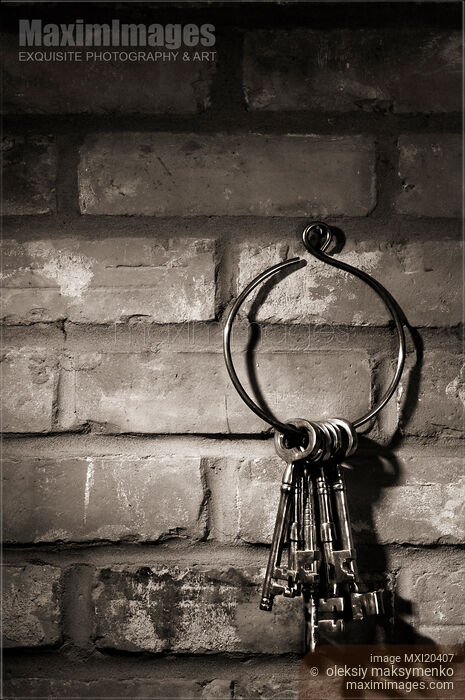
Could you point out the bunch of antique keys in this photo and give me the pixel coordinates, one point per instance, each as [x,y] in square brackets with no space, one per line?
[313,523]
[313,518]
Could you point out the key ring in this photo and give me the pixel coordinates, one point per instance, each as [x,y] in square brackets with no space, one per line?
[325,237]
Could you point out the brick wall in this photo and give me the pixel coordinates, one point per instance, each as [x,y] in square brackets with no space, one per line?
[138,489]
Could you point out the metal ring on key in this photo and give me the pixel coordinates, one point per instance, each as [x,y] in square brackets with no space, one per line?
[321,447]
[325,237]
[296,452]
[348,430]
[336,438]
[327,439]
[341,447]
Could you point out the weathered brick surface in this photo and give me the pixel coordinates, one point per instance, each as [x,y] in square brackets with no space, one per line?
[108,280]
[29,172]
[109,498]
[182,689]
[192,174]
[441,595]
[433,580]
[29,381]
[102,87]
[412,497]
[258,497]
[266,687]
[424,277]
[448,634]
[99,340]
[188,392]
[349,70]
[299,682]
[430,173]
[193,610]
[78,622]
[439,408]
[415,496]
[31,606]
[222,482]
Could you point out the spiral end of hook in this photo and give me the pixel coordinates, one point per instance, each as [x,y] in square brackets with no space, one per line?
[324,233]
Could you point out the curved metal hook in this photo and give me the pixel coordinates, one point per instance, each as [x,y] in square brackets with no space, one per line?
[322,230]
[282,427]
[381,291]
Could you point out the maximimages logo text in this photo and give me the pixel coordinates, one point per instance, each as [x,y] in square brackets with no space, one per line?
[115,40]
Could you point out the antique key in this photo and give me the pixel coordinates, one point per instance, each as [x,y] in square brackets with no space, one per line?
[344,443]
[308,558]
[344,570]
[280,579]
[335,530]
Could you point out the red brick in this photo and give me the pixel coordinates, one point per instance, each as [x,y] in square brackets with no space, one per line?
[29,173]
[109,280]
[181,689]
[189,392]
[103,87]
[193,610]
[102,498]
[430,171]
[439,407]
[29,382]
[31,606]
[402,69]
[424,277]
[165,174]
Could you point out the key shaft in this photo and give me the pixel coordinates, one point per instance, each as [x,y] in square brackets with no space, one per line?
[274,558]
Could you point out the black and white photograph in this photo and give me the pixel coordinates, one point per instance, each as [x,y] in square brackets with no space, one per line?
[232,350]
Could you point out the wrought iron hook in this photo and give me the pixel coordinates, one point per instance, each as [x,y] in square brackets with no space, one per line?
[325,237]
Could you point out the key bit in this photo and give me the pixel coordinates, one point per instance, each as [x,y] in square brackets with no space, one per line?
[329,628]
[305,574]
[289,587]
[331,607]
[342,562]
[311,623]
[331,615]
[266,603]
[366,604]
